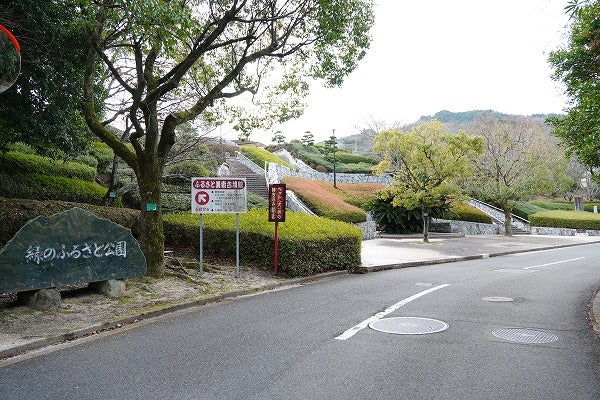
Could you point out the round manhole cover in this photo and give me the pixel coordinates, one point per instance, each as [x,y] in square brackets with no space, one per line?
[408,325]
[523,335]
[498,299]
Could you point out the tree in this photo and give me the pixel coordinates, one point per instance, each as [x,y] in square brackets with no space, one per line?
[577,65]
[179,60]
[518,162]
[426,164]
[278,138]
[308,139]
[43,109]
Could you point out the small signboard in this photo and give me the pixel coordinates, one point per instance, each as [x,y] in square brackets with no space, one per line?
[218,195]
[277,202]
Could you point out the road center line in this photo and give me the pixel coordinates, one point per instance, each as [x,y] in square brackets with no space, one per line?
[554,263]
[354,330]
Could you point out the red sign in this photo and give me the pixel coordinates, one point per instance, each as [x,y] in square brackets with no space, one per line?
[277,202]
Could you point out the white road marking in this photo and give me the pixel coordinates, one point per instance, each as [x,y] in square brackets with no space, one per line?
[355,329]
[553,263]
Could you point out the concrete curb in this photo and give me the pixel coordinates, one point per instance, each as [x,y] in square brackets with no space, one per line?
[122,322]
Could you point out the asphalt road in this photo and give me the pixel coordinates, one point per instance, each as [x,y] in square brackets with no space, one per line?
[312,342]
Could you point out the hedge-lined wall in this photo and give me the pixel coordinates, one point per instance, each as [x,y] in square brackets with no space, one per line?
[47,187]
[307,244]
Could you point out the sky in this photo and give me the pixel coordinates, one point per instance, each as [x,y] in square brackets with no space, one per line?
[433,55]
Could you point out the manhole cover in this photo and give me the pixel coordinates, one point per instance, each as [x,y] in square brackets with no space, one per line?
[408,325]
[498,298]
[522,335]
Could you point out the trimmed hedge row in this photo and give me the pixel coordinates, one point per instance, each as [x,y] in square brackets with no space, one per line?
[19,163]
[307,244]
[14,213]
[326,201]
[465,212]
[260,156]
[566,219]
[46,187]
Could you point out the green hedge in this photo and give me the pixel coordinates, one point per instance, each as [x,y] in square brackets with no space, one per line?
[260,156]
[46,187]
[553,205]
[18,163]
[307,244]
[566,219]
[524,209]
[14,213]
[460,211]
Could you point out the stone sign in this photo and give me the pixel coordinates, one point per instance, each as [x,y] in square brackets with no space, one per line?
[68,248]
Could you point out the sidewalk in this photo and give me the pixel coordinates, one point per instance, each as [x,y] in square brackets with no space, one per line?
[23,330]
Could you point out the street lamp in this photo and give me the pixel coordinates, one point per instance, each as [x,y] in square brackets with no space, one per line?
[334,147]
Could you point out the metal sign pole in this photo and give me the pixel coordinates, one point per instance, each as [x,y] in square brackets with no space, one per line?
[276,260]
[237,245]
[201,249]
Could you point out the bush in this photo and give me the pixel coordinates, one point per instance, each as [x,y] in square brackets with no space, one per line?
[46,187]
[183,172]
[395,219]
[260,156]
[15,213]
[104,155]
[307,244]
[566,219]
[524,209]
[553,205]
[350,158]
[465,212]
[19,163]
[325,200]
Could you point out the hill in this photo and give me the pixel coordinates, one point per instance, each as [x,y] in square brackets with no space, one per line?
[362,143]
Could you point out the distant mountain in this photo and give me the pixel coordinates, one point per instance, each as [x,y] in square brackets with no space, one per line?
[362,143]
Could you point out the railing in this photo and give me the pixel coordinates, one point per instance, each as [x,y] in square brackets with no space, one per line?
[498,215]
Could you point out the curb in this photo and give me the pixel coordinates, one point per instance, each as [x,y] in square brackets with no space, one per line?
[122,322]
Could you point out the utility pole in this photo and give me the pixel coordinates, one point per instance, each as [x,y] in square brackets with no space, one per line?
[334,145]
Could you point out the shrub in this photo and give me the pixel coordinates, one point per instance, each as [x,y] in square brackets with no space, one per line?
[260,156]
[183,171]
[307,244]
[566,219]
[46,187]
[350,158]
[553,205]
[395,219]
[104,154]
[19,163]
[325,200]
[465,212]
[15,213]
[525,209]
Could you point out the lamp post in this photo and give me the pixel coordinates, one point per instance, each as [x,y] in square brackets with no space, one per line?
[334,147]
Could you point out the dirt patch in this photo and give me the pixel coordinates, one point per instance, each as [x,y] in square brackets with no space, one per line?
[81,307]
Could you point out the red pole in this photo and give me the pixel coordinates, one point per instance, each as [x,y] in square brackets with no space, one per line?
[276,260]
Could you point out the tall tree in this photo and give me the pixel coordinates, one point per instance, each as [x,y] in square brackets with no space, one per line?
[427,165]
[518,162]
[577,65]
[43,108]
[175,61]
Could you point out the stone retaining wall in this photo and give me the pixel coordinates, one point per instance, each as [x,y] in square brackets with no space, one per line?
[544,230]
[471,228]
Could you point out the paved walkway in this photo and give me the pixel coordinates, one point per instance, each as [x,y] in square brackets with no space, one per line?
[403,251]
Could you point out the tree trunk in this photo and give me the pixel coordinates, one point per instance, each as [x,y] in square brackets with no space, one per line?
[507,219]
[152,241]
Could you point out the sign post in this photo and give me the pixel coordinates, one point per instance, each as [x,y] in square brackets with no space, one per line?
[277,193]
[219,196]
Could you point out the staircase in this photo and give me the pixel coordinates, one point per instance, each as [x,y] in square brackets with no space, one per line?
[255,182]
[519,226]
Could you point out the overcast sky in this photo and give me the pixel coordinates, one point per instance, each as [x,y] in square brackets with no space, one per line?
[433,55]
